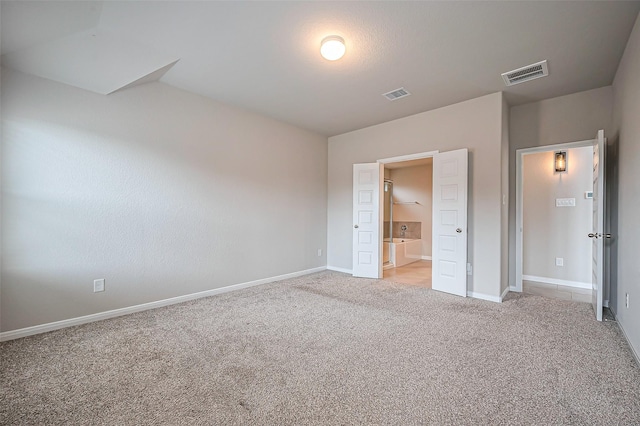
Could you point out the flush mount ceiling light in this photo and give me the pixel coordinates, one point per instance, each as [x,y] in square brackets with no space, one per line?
[332,48]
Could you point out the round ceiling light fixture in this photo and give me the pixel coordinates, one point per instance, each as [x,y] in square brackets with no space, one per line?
[332,48]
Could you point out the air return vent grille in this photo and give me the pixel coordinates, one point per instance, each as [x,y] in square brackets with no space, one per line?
[530,72]
[396,94]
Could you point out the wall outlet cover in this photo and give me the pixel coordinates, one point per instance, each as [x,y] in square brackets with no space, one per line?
[626,302]
[98,285]
[559,261]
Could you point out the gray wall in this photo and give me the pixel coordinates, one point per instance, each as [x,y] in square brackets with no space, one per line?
[564,119]
[626,119]
[475,124]
[161,192]
[504,209]
[550,231]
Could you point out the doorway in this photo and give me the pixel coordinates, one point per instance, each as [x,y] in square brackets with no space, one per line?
[407,222]
[449,224]
[569,229]
[556,218]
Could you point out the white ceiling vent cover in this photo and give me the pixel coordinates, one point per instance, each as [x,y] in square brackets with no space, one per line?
[530,72]
[396,94]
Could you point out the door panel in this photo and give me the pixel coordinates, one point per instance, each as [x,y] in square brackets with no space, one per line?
[367,227]
[597,235]
[449,264]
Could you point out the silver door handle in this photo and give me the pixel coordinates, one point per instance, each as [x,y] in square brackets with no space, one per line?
[356,226]
[458,230]
[592,235]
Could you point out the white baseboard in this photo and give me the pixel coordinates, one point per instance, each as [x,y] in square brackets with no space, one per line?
[633,350]
[426,258]
[514,289]
[344,270]
[566,283]
[484,297]
[43,328]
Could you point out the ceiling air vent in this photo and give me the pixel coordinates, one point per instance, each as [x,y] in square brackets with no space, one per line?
[530,72]
[396,94]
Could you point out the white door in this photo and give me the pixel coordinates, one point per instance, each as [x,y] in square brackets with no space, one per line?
[367,227]
[449,256]
[597,235]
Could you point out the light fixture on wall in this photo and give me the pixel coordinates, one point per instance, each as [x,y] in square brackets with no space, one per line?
[560,161]
[332,47]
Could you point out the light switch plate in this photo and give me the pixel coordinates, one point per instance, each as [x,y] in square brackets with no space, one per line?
[565,202]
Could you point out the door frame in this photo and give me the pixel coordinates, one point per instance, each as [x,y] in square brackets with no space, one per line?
[520,153]
[399,159]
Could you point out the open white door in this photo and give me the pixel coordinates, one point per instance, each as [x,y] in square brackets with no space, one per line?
[597,235]
[449,256]
[367,187]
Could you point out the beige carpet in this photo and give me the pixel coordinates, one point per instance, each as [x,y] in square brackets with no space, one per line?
[328,349]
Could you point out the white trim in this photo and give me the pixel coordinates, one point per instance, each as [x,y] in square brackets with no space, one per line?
[520,153]
[343,270]
[426,257]
[504,293]
[566,283]
[418,156]
[484,297]
[605,303]
[633,350]
[513,288]
[43,328]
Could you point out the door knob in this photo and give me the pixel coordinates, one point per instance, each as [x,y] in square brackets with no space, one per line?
[458,230]
[592,235]
[356,226]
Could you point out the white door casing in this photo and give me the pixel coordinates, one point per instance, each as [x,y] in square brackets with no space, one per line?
[598,235]
[367,226]
[449,263]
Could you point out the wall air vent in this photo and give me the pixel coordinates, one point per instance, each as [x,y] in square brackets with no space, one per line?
[396,94]
[530,72]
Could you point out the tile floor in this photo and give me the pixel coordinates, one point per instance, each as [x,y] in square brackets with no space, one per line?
[557,291]
[416,273]
[419,274]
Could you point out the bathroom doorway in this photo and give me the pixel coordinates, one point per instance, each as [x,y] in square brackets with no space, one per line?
[407,222]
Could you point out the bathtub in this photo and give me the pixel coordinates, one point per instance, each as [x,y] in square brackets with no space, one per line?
[403,251]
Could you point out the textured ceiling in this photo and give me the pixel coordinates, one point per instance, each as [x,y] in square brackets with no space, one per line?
[264,56]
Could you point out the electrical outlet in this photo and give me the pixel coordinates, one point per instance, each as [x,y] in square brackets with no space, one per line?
[319,252]
[626,300]
[98,285]
[559,261]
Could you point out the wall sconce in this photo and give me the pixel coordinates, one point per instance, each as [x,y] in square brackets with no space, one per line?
[560,161]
